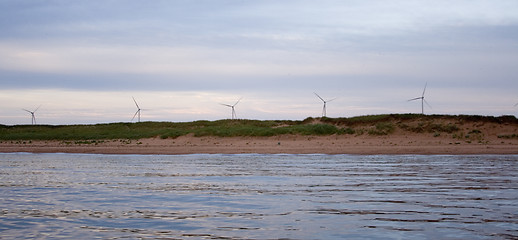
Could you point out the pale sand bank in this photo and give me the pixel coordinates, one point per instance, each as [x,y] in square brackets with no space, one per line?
[290,144]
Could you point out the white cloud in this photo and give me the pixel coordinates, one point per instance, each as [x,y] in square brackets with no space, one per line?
[167,60]
[83,62]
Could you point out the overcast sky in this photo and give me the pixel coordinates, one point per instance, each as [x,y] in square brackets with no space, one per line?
[83,61]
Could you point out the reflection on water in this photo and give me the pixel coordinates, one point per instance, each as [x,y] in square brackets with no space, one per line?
[258,196]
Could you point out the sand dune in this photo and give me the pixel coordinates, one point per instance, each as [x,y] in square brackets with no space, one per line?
[469,137]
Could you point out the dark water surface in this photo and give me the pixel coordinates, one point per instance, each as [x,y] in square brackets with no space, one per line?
[258,196]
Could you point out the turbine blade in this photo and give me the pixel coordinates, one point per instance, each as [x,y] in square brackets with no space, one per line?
[413,99]
[516,104]
[136,103]
[331,100]
[424,90]
[237,101]
[427,103]
[228,105]
[135,115]
[26,110]
[319,97]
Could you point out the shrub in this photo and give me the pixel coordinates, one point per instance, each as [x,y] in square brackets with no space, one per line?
[309,129]
[508,136]
[430,128]
[322,129]
[347,131]
[173,133]
[475,131]
[384,128]
[450,128]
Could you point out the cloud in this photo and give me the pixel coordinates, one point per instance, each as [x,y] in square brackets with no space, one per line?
[373,55]
[156,68]
[161,62]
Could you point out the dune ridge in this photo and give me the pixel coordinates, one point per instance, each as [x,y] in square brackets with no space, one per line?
[376,134]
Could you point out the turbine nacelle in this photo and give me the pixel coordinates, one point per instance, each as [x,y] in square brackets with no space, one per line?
[33,118]
[137,112]
[233,116]
[423,101]
[324,110]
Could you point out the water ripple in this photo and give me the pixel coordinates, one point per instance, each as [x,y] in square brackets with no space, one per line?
[256,196]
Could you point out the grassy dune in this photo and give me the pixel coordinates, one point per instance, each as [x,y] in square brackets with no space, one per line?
[369,125]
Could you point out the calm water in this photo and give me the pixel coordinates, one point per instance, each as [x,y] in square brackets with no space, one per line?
[258,196]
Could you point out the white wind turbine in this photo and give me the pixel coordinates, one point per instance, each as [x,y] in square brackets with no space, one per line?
[324,111]
[232,106]
[33,120]
[423,101]
[137,112]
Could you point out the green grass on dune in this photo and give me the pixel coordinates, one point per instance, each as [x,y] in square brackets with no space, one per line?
[371,124]
[373,119]
[222,128]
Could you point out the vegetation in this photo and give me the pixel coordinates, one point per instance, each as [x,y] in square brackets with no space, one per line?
[430,127]
[372,124]
[382,128]
[509,136]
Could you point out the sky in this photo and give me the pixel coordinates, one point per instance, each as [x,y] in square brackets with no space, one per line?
[81,62]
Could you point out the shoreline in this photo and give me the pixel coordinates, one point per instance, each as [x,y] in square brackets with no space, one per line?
[284,144]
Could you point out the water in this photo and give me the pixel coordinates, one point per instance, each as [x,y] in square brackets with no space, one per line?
[258,196]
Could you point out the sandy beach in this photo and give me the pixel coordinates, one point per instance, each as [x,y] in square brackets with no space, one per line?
[290,144]
[408,136]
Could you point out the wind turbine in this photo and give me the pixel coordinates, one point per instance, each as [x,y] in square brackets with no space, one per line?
[137,112]
[423,101]
[232,106]
[324,112]
[33,120]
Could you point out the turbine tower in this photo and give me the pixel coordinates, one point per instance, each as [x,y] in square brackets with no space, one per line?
[33,120]
[324,112]
[233,109]
[137,112]
[423,101]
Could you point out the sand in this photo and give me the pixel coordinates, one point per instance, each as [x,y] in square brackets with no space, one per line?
[402,143]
